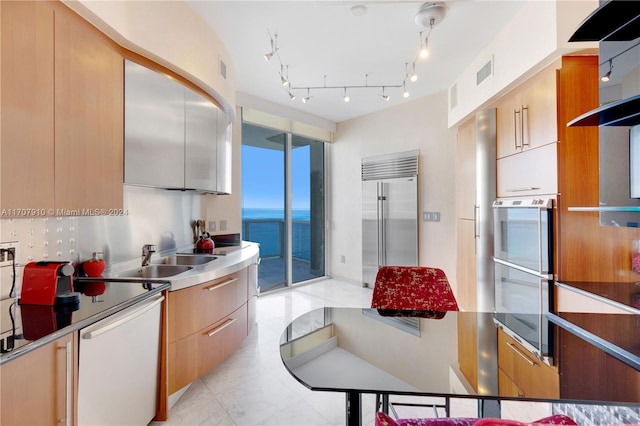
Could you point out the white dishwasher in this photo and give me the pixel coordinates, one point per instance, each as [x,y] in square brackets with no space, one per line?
[118,367]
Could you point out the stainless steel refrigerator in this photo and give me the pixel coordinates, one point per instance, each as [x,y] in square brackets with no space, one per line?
[389,213]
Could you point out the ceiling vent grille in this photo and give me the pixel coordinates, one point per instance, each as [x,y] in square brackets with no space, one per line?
[484,72]
[453,97]
[223,69]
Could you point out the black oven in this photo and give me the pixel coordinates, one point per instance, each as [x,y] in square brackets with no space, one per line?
[524,271]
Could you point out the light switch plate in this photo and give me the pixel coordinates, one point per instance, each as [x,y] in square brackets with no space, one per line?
[223,225]
[212,225]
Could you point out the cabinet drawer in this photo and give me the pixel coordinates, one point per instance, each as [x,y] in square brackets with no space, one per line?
[534,172]
[194,308]
[182,366]
[220,340]
[529,375]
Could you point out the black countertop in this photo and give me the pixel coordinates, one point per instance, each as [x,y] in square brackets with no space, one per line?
[28,327]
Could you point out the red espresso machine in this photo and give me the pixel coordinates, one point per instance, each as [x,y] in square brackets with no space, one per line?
[47,298]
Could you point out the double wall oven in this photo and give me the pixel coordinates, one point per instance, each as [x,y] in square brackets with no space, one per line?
[523,260]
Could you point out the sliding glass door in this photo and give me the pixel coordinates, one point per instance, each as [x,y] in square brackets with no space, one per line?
[283,205]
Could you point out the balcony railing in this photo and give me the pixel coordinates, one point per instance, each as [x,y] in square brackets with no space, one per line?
[269,233]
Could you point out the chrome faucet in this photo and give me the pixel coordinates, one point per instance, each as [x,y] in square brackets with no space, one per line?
[147,251]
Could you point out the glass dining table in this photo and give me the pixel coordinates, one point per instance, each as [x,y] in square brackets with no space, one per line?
[360,351]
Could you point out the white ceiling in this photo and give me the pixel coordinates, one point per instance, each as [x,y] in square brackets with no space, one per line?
[317,38]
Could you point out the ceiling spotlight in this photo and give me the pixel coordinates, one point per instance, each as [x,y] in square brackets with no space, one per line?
[292,96]
[607,76]
[274,48]
[346,97]
[424,51]
[305,100]
[405,93]
[385,97]
[414,76]
[284,81]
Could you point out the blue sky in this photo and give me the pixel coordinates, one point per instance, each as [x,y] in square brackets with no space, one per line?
[263,178]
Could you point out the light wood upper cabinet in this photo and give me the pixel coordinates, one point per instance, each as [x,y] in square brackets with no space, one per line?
[62,113]
[527,116]
[88,116]
[27,129]
[35,386]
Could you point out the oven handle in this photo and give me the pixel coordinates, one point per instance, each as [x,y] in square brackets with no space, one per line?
[523,269]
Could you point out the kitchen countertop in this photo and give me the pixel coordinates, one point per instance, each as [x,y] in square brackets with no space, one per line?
[33,326]
[233,259]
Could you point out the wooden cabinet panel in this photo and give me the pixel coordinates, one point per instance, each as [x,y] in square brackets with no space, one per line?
[468,347]
[506,386]
[508,118]
[207,323]
[27,104]
[89,121]
[466,277]
[196,307]
[527,116]
[217,342]
[530,375]
[466,170]
[182,366]
[541,114]
[533,172]
[33,387]
[62,113]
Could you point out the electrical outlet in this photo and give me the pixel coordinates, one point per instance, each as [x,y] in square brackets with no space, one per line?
[223,225]
[212,225]
[5,257]
[431,216]
[343,259]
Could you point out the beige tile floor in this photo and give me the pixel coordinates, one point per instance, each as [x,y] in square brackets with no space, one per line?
[252,386]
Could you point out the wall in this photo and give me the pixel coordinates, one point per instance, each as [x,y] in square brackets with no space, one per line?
[420,124]
[517,53]
[150,216]
[141,26]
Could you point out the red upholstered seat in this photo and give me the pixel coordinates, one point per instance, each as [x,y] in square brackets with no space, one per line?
[413,288]
[383,419]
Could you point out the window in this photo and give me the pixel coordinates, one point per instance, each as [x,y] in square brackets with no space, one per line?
[283,205]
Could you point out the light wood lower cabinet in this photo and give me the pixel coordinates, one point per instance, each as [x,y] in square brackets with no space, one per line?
[39,388]
[522,374]
[207,323]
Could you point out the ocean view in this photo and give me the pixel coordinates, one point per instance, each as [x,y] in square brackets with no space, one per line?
[266,227]
[258,214]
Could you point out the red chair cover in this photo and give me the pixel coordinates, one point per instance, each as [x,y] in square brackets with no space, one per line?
[413,288]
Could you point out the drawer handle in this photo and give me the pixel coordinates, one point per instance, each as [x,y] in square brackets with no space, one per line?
[519,352]
[222,284]
[221,327]
[528,188]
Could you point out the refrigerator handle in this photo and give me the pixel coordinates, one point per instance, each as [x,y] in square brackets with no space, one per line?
[476,218]
[382,234]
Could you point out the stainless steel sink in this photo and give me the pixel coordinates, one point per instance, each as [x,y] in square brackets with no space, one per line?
[187,259]
[155,271]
